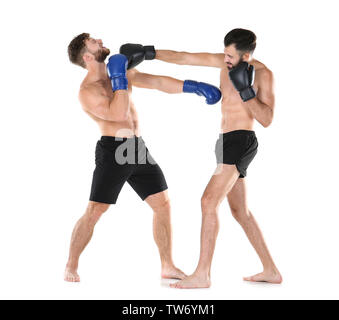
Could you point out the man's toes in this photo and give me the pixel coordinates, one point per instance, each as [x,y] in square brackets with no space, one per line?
[71,278]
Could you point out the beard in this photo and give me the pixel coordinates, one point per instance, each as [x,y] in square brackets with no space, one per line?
[101,54]
[232,66]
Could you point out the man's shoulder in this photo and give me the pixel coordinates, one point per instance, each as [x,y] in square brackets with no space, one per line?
[89,87]
[262,71]
[261,67]
[87,92]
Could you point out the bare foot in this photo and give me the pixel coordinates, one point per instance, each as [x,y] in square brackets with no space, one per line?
[172,273]
[192,282]
[71,275]
[266,276]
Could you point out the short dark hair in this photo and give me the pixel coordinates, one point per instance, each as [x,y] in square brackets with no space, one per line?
[244,40]
[77,48]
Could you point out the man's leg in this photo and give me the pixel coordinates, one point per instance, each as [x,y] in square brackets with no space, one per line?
[218,187]
[162,233]
[237,200]
[81,236]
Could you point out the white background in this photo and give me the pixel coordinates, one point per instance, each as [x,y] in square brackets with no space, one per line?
[47,151]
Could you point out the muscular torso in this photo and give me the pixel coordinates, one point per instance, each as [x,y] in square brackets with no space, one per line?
[127,128]
[235,115]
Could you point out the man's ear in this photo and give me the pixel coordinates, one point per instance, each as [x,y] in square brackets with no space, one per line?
[87,57]
[246,56]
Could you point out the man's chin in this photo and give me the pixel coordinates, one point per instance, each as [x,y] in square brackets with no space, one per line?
[105,51]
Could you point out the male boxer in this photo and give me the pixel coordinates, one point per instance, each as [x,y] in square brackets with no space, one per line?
[121,154]
[247,89]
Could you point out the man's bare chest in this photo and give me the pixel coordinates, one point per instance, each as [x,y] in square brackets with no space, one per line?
[229,94]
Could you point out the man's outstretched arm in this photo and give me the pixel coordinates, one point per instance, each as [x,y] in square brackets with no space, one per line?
[151,81]
[136,53]
[194,59]
[172,85]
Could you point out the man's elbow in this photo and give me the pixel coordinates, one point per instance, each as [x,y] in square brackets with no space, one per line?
[266,124]
[268,121]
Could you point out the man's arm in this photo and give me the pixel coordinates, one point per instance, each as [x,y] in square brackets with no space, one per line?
[103,107]
[194,59]
[150,81]
[262,107]
[171,85]
[112,109]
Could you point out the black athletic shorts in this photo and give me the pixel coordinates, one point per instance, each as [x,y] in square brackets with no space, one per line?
[124,159]
[237,147]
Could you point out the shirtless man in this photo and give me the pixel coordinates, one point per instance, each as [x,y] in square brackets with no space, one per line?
[105,95]
[242,103]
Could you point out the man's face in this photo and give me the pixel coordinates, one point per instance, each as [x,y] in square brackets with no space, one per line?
[95,47]
[232,57]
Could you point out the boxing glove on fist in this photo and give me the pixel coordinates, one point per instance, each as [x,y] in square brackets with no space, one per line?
[137,53]
[242,77]
[211,93]
[116,68]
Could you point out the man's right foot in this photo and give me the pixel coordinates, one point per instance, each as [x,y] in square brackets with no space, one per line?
[71,275]
[267,276]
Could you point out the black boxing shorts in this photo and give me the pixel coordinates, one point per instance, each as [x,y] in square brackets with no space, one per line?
[237,147]
[120,160]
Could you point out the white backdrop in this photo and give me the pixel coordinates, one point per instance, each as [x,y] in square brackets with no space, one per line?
[48,144]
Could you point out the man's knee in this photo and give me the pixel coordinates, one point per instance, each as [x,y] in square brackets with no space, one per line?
[162,206]
[95,210]
[240,214]
[159,202]
[209,203]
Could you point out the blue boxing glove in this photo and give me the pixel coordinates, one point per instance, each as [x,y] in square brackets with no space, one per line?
[211,93]
[116,68]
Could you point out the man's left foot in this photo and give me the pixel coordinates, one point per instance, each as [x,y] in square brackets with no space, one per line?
[71,275]
[192,282]
[266,276]
[172,273]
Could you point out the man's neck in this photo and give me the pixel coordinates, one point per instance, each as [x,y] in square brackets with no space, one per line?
[97,71]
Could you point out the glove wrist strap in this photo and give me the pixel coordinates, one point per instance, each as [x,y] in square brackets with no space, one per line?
[149,52]
[247,94]
[119,83]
